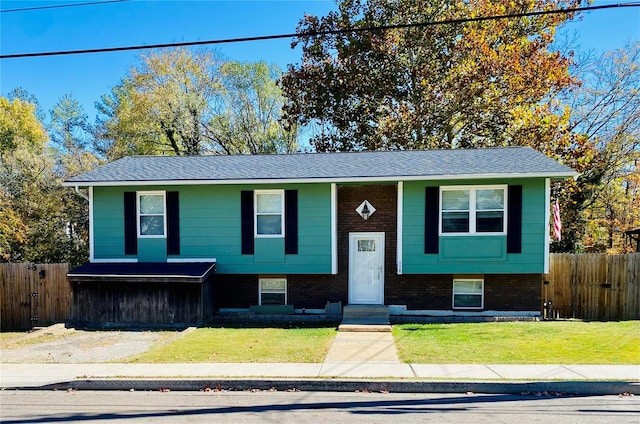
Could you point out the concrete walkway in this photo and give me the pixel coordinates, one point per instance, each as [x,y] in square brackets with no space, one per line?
[363,347]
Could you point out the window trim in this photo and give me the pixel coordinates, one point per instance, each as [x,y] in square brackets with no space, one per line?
[454,293]
[256,193]
[473,189]
[164,213]
[264,279]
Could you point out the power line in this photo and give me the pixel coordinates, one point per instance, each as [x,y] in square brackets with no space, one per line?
[59,6]
[319,33]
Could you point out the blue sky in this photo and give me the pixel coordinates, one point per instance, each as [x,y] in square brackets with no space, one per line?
[89,76]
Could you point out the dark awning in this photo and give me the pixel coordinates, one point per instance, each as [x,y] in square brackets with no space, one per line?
[161,272]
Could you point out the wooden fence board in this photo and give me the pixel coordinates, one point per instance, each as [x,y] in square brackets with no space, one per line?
[32,295]
[594,286]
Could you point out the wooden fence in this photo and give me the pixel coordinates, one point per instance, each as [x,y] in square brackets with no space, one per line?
[33,295]
[593,286]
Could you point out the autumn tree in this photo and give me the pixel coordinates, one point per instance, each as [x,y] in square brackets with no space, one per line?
[605,199]
[447,85]
[20,131]
[40,221]
[250,119]
[19,126]
[22,142]
[71,138]
[186,102]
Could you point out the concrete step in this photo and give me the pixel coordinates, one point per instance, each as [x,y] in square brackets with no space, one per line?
[365,318]
[365,312]
[364,328]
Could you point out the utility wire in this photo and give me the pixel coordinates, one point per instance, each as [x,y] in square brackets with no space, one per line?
[58,6]
[309,34]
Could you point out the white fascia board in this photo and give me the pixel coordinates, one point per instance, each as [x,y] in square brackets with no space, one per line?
[389,178]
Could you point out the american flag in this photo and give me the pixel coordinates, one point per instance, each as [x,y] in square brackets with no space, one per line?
[557,225]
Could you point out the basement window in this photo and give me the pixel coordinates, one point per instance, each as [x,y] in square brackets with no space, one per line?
[273,291]
[468,294]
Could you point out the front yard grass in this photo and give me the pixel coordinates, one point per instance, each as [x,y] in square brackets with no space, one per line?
[548,342]
[6,337]
[304,345]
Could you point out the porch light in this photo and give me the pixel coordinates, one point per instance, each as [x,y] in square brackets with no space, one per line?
[365,210]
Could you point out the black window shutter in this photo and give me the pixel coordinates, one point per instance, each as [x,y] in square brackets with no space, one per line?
[173,223]
[130,224]
[291,222]
[246,217]
[431,215]
[514,219]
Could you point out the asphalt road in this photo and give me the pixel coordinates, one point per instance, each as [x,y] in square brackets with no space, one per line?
[310,407]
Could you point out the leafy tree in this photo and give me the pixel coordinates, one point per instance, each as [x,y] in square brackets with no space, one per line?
[249,122]
[72,136]
[452,85]
[26,96]
[19,126]
[605,201]
[162,103]
[22,147]
[188,103]
[41,221]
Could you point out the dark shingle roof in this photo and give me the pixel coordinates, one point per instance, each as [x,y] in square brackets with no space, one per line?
[392,165]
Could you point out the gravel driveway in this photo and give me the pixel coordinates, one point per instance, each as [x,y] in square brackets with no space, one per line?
[57,344]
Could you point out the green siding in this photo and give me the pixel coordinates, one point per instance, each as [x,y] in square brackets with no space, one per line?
[474,254]
[108,223]
[269,250]
[210,228]
[152,249]
[469,248]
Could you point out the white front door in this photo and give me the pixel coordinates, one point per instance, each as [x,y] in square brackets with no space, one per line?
[366,268]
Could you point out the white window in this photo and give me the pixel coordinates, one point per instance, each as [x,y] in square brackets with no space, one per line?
[468,293]
[273,291]
[269,213]
[473,210]
[152,220]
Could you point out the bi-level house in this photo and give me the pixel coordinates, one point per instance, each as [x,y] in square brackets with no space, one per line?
[175,240]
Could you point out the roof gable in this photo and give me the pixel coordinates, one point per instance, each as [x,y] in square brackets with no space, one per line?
[334,167]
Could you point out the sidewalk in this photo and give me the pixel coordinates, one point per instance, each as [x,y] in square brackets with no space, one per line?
[356,361]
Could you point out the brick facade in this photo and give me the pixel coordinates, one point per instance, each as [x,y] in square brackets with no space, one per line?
[504,292]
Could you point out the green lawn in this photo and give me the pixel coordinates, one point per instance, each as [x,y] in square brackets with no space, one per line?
[544,342]
[306,345]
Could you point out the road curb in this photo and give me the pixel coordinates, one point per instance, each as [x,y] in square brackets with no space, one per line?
[533,388]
